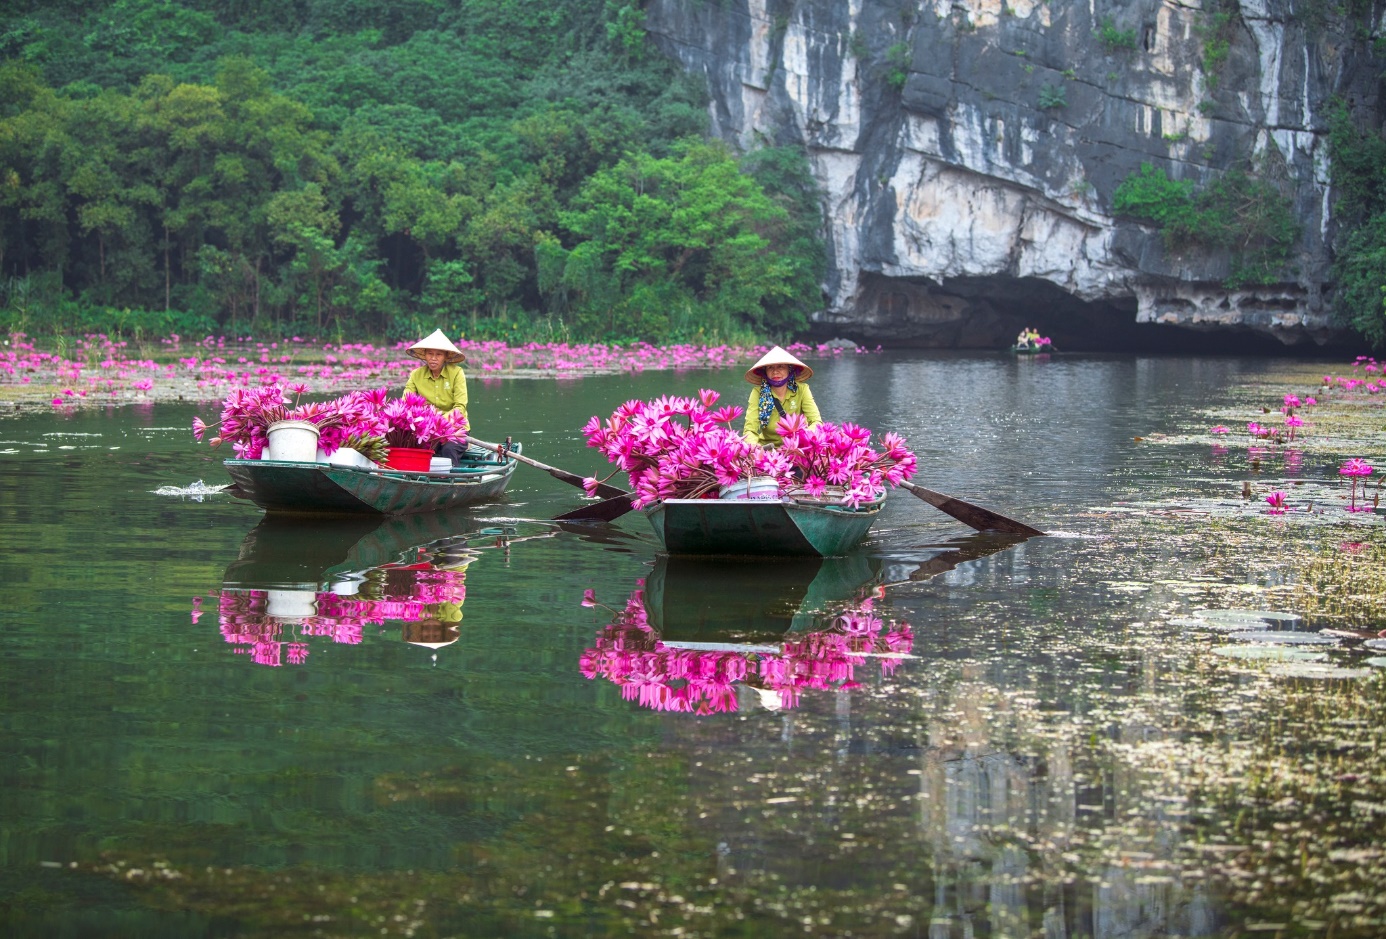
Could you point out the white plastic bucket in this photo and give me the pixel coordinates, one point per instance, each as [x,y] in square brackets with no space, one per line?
[756,488]
[440,464]
[346,456]
[293,442]
[291,604]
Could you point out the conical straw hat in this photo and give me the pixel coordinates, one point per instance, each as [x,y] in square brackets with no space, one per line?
[436,340]
[430,634]
[777,356]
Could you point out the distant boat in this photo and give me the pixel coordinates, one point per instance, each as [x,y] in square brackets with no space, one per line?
[325,489]
[760,528]
[1031,348]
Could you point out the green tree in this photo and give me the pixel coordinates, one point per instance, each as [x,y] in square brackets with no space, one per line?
[303,221]
[690,230]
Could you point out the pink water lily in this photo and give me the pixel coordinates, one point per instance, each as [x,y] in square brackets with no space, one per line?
[1354,469]
[1276,501]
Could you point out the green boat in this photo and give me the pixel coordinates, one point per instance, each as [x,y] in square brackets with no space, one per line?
[760,528]
[325,489]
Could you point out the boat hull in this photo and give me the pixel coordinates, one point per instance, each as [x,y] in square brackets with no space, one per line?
[324,489]
[780,528]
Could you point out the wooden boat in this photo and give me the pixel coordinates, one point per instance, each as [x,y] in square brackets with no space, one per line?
[773,528]
[1030,349]
[321,488]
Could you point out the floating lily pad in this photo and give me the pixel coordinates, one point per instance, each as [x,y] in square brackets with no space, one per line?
[1312,670]
[1284,638]
[1377,644]
[1270,653]
[1277,617]
[1198,622]
[1377,661]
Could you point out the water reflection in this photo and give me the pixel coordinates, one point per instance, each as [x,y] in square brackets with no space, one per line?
[710,635]
[296,583]
[706,636]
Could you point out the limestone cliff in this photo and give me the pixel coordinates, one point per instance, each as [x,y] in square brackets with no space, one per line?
[969,151]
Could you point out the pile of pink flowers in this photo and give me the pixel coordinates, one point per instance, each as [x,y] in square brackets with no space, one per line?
[630,655]
[368,417]
[404,594]
[412,422]
[830,454]
[678,448]
[247,414]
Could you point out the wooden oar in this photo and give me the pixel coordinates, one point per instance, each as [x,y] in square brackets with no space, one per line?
[604,511]
[572,479]
[965,512]
[972,515]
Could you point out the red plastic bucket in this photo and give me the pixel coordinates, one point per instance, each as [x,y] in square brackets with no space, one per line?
[413,459]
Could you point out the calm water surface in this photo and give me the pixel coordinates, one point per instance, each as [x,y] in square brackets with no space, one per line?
[260,728]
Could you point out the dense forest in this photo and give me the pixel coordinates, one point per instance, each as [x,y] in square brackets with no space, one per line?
[516,169]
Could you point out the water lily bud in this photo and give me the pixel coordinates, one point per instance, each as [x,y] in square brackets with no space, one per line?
[215,442]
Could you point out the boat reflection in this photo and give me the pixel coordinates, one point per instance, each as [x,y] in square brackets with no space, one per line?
[295,584]
[706,636]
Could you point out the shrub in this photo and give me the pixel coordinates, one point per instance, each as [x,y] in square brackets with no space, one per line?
[1113,38]
[1053,96]
[1248,217]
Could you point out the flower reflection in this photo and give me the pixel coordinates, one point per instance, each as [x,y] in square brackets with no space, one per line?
[276,627]
[704,680]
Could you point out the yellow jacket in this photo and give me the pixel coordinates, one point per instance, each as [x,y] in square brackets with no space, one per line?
[447,392]
[798,401]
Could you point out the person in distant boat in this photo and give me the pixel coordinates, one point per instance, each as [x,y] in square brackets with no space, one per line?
[440,380]
[779,391]
[1028,338]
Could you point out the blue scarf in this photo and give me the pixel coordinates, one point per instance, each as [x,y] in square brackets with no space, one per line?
[766,404]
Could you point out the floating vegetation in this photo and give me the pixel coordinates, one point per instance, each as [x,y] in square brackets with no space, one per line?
[1283,638]
[1269,653]
[1265,617]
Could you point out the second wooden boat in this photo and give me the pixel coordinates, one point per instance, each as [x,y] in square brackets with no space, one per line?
[778,528]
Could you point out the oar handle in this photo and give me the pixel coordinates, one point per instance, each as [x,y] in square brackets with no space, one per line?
[572,479]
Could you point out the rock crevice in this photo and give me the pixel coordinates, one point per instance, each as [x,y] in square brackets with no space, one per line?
[969,150]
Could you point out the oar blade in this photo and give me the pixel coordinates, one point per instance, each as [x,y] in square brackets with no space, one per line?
[972,515]
[604,511]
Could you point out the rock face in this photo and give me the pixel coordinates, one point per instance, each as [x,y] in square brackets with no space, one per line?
[969,152]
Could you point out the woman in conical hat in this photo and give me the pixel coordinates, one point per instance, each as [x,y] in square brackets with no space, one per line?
[441,380]
[779,392]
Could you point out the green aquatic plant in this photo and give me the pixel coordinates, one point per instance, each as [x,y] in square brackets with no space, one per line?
[1344,584]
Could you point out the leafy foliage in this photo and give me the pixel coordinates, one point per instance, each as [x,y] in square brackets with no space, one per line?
[1359,180]
[1053,96]
[1238,213]
[897,59]
[325,164]
[1113,38]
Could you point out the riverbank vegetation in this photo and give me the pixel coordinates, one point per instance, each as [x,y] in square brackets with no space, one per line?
[508,170]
